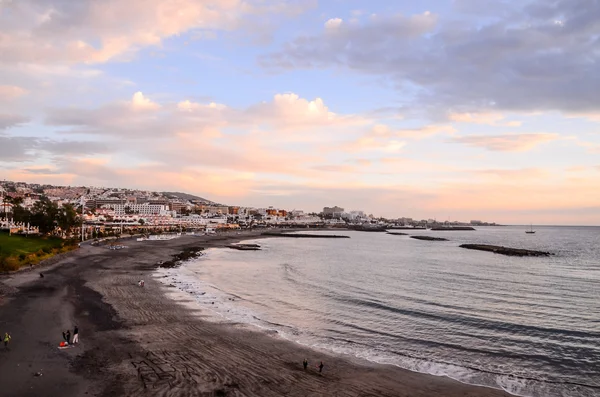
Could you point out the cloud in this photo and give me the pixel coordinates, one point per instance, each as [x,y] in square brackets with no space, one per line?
[368,143]
[40,170]
[140,102]
[383,138]
[141,117]
[10,92]
[527,174]
[290,111]
[342,168]
[507,142]
[593,148]
[385,131]
[363,162]
[591,116]
[21,148]
[518,59]
[489,118]
[16,149]
[188,106]
[88,31]
[333,23]
[277,137]
[11,120]
[136,117]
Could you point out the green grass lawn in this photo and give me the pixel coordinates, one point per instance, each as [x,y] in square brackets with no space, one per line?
[16,245]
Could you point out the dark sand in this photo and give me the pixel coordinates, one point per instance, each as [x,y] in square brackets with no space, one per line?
[137,342]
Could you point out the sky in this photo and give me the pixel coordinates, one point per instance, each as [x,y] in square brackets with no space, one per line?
[445,109]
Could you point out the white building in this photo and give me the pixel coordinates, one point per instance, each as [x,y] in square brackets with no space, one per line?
[197,220]
[140,209]
[306,219]
[354,215]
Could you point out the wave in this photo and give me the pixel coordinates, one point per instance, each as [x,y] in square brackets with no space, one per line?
[474,322]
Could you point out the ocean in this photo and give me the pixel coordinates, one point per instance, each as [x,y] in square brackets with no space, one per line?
[530,326]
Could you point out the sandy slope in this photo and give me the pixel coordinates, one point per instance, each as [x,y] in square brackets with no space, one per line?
[137,342]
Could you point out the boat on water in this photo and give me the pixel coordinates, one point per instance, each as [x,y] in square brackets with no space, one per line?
[530,231]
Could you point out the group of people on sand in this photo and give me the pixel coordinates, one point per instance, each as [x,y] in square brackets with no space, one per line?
[67,337]
[320,366]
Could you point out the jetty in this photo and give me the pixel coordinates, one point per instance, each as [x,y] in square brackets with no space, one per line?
[496,249]
[429,238]
[244,247]
[452,228]
[303,235]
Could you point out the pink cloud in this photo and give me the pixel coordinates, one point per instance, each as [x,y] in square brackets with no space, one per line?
[10,92]
[507,142]
[489,118]
[34,32]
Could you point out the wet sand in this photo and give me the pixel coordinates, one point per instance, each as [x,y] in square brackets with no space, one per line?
[138,342]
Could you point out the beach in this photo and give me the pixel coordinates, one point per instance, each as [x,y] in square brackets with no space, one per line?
[138,342]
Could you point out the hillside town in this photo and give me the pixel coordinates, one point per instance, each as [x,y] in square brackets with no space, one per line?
[92,212]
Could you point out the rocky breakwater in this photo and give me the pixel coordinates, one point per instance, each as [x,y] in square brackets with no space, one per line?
[186,254]
[496,249]
[452,228]
[429,238]
[244,247]
[303,235]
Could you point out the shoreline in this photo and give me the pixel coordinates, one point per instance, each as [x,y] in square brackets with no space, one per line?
[138,341]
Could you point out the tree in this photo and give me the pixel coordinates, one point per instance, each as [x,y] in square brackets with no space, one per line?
[21,214]
[67,217]
[44,215]
[141,221]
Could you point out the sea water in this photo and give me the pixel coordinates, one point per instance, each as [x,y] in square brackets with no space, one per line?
[530,325]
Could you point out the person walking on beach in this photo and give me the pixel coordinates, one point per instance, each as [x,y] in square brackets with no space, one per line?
[305,363]
[6,340]
[321,367]
[64,336]
[75,335]
[69,336]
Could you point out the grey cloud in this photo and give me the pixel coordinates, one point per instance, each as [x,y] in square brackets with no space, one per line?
[19,148]
[115,120]
[483,7]
[540,56]
[72,147]
[10,120]
[15,149]
[41,171]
